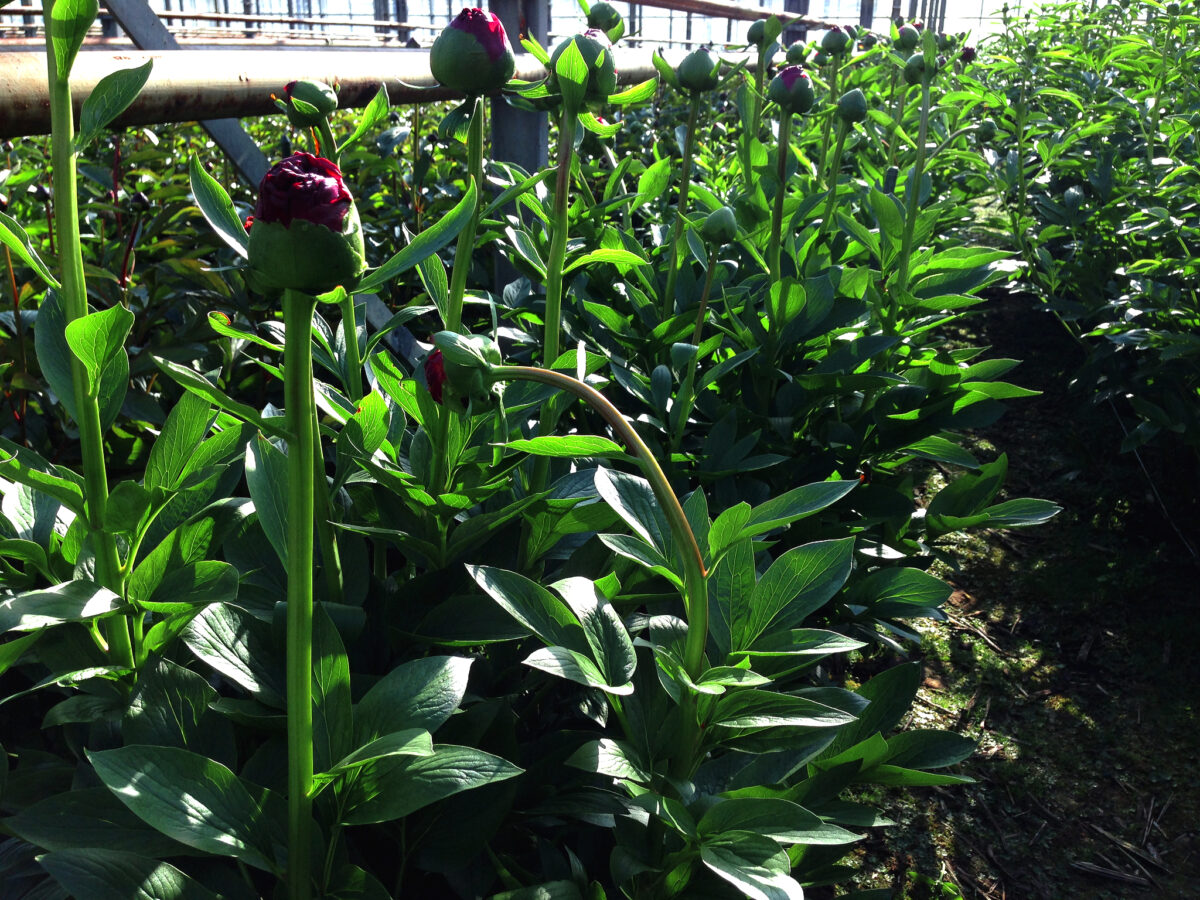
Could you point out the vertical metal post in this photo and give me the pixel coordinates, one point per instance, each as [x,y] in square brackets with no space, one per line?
[866,13]
[794,33]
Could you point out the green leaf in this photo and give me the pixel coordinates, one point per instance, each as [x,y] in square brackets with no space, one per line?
[572,73]
[267,481]
[88,817]
[190,587]
[69,24]
[410,742]
[652,183]
[421,693]
[198,384]
[923,749]
[374,113]
[755,865]
[180,436]
[71,601]
[939,449]
[789,507]
[54,356]
[97,338]
[111,97]
[574,666]
[1021,513]
[796,585]
[197,802]
[633,500]
[13,236]
[636,94]
[533,606]
[611,646]
[167,706]
[891,694]
[609,757]
[118,875]
[425,244]
[775,818]
[765,709]
[217,208]
[615,256]
[333,722]
[393,787]
[901,592]
[550,890]
[239,647]
[573,446]
[597,127]
[26,467]
[665,70]
[895,776]
[13,649]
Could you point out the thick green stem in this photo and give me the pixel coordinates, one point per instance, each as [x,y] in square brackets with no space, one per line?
[74,300]
[466,238]
[685,184]
[912,198]
[687,388]
[776,236]
[897,123]
[833,101]
[331,561]
[327,144]
[298,311]
[558,237]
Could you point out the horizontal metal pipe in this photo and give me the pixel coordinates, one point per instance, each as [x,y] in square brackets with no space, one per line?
[189,85]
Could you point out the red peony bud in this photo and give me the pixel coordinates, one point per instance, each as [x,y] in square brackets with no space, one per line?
[792,89]
[435,374]
[306,187]
[472,54]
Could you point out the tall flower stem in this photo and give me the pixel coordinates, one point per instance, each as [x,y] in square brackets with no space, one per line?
[685,184]
[298,309]
[835,68]
[912,198]
[695,590]
[558,237]
[831,180]
[354,365]
[687,388]
[466,238]
[785,150]
[897,118]
[74,301]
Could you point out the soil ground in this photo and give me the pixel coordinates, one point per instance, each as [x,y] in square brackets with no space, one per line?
[1072,654]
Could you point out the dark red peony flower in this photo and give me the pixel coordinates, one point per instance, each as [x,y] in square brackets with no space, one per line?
[968,55]
[472,54]
[435,374]
[306,187]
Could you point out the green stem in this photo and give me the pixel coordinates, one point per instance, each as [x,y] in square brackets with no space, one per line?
[298,311]
[785,150]
[74,298]
[466,238]
[328,145]
[687,390]
[835,67]
[897,123]
[685,183]
[912,197]
[695,592]
[330,558]
[558,238]
[831,180]
[354,377]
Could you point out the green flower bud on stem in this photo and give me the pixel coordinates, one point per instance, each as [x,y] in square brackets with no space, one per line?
[720,227]
[596,50]
[986,131]
[908,38]
[915,71]
[797,53]
[699,71]
[792,89]
[309,102]
[835,41]
[852,106]
[757,32]
[460,369]
[604,17]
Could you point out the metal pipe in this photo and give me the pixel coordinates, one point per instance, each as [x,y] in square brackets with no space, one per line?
[189,85]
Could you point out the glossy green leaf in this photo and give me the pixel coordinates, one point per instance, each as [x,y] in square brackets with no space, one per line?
[765,709]
[54,356]
[614,256]
[25,467]
[167,706]
[332,722]
[111,97]
[421,693]
[197,802]
[410,742]
[609,757]
[98,337]
[71,601]
[574,666]
[198,384]
[69,24]
[118,875]
[88,817]
[611,647]
[891,694]
[922,749]
[425,244]
[217,208]
[393,787]
[374,113]
[639,93]
[755,865]
[1021,513]
[573,446]
[180,436]
[633,500]
[533,606]
[778,819]
[13,236]
[239,647]
[267,481]
[572,73]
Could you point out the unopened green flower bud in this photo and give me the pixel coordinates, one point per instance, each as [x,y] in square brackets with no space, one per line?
[757,33]
[797,53]
[852,106]
[792,89]
[461,369]
[699,71]
[908,38]
[1073,198]
[720,227]
[915,71]
[835,41]
[597,54]
[604,17]
[986,131]
[309,102]
[472,55]
[305,233]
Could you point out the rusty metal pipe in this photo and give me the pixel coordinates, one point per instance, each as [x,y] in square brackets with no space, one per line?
[189,85]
